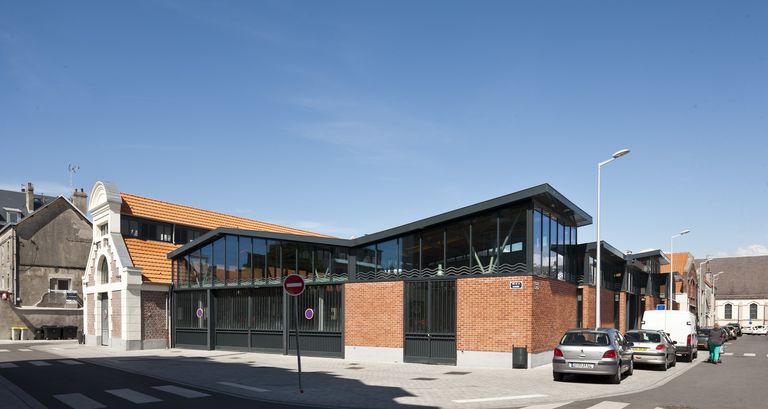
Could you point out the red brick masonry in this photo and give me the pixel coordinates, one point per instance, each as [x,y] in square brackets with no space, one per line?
[374,314]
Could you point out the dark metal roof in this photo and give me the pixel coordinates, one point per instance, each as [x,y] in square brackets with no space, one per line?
[543,193]
[663,260]
[18,200]
[592,248]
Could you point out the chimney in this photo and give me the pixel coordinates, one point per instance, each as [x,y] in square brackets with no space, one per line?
[79,200]
[30,193]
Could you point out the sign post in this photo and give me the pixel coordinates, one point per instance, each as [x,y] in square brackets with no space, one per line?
[293,285]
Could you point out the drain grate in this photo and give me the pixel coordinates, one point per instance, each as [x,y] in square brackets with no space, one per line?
[423,379]
[457,373]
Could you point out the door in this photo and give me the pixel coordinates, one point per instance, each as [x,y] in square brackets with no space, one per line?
[104,319]
[430,322]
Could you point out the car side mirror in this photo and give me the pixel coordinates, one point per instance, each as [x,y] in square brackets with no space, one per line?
[674,342]
[630,343]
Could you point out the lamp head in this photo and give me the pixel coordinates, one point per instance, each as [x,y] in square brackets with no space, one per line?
[620,153]
[684,232]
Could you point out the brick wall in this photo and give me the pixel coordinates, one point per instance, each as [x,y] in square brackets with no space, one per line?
[115,305]
[554,312]
[153,315]
[492,317]
[90,302]
[606,307]
[373,314]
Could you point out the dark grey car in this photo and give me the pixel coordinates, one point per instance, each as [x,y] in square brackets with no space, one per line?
[601,351]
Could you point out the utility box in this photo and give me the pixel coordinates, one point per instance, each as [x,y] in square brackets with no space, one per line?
[520,357]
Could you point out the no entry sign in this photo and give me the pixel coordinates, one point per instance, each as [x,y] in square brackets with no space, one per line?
[293,285]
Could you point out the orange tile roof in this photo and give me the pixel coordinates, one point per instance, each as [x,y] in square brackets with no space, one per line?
[680,259]
[151,255]
[191,216]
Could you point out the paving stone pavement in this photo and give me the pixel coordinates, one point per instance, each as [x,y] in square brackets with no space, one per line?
[342,383]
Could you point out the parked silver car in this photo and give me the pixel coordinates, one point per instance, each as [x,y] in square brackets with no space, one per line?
[652,347]
[601,351]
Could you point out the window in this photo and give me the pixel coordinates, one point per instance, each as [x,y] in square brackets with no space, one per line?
[728,311]
[104,229]
[104,271]
[536,242]
[12,215]
[512,234]
[387,254]
[753,311]
[59,284]
[485,244]
[457,248]
[432,252]
[146,229]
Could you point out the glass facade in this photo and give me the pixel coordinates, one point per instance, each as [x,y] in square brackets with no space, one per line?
[490,242]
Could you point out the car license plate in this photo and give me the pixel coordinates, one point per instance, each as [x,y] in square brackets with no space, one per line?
[578,365]
[639,348]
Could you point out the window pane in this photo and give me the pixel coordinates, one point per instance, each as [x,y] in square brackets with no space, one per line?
[289,258]
[752,311]
[259,260]
[545,235]
[484,244]
[195,272]
[305,261]
[273,261]
[536,242]
[366,263]
[219,260]
[554,231]
[340,265]
[386,258]
[233,259]
[457,248]
[432,252]
[322,264]
[512,235]
[409,255]
[245,259]
[182,271]
[206,264]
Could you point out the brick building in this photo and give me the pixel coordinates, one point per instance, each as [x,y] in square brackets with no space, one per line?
[127,275]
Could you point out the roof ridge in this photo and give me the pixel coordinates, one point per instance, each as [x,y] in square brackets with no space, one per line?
[222,214]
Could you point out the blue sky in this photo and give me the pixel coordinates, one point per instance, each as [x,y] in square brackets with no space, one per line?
[351,117]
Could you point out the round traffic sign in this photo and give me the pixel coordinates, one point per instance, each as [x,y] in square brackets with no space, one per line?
[199,312]
[309,313]
[293,284]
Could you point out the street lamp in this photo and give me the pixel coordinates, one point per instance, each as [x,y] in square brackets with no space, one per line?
[672,269]
[600,165]
[714,289]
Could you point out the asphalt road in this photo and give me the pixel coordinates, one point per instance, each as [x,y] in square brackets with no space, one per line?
[59,383]
[740,382]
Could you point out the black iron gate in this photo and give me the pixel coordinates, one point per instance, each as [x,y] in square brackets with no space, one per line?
[430,322]
[320,321]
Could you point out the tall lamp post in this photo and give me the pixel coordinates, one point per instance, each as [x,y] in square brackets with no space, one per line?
[672,269]
[714,289]
[600,165]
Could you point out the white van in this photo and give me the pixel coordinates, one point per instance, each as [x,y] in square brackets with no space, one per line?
[679,325]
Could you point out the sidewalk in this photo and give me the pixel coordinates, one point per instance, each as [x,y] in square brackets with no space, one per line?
[340,383]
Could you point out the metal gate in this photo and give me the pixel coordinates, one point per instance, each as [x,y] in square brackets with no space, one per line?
[104,319]
[430,322]
[320,321]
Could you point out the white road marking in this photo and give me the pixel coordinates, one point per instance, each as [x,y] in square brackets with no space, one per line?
[71,362]
[606,404]
[3,350]
[499,398]
[246,387]
[548,405]
[78,401]
[748,354]
[6,365]
[179,391]
[25,350]
[727,354]
[133,396]
[40,363]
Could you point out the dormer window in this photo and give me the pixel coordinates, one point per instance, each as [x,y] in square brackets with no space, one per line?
[104,229]
[12,215]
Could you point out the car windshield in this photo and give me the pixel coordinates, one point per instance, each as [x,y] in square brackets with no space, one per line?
[644,337]
[585,338]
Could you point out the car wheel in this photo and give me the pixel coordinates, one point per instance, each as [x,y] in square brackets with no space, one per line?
[696,355]
[558,377]
[674,361]
[616,378]
[631,368]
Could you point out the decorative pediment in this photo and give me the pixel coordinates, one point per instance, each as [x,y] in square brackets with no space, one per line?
[104,193]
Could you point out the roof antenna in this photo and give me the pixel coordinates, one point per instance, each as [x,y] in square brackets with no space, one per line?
[72,170]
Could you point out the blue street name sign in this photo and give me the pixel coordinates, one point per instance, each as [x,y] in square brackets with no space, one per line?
[661,307]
